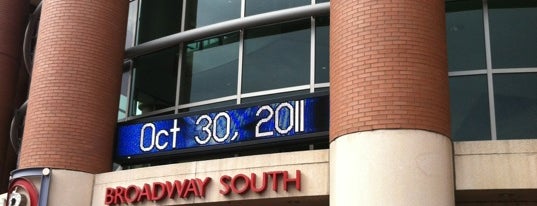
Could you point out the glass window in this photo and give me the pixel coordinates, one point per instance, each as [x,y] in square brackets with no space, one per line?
[276,56]
[513,33]
[515,99]
[158,19]
[465,35]
[154,81]
[209,68]
[205,12]
[470,119]
[261,6]
[322,49]
[321,1]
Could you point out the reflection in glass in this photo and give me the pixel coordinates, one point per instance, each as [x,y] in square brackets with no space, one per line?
[515,99]
[209,68]
[322,49]
[261,6]
[158,19]
[276,56]
[155,77]
[470,119]
[513,33]
[204,12]
[465,36]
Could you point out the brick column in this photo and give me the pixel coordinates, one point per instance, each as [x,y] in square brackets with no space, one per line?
[12,23]
[389,98]
[75,85]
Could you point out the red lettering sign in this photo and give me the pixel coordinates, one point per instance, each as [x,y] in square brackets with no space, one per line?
[238,184]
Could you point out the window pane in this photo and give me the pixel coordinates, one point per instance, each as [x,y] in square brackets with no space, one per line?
[158,19]
[321,1]
[465,36]
[513,33]
[205,12]
[209,68]
[322,49]
[155,80]
[261,6]
[470,115]
[515,99]
[276,56]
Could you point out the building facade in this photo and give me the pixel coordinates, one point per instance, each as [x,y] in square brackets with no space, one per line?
[280,102]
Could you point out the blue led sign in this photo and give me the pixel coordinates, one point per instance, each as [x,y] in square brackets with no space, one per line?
[288,119]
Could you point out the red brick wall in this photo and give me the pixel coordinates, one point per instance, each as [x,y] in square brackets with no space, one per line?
[388,66]
[75,85]
[12,23]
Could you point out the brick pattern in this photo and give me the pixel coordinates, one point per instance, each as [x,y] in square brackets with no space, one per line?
[12,23]
[75,86]
[388,66]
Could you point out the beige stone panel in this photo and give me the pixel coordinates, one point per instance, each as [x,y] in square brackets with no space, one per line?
[501,169]
[313,166]
[268,160]
[495,147]
[70,188]
[391,167]
[145,173]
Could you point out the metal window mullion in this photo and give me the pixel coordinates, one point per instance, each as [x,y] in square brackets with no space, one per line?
[178,85]
[276,91]
[180,61]
[241,54]
[467,73]
[129,88]
[490,84]
[130,83]
[239,69]
[243,8]
[322,85]
[131,93]
[206,102]
[513,70]
[139,6]
[312,53]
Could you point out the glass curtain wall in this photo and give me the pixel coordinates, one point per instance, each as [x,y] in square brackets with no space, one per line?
[247,65]
[492,69]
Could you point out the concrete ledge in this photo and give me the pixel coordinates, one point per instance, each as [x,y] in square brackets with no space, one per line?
[495,147]
[312,164]
[502,164]
[502,172]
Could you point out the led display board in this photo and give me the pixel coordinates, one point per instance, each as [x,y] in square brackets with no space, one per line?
[281,120]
